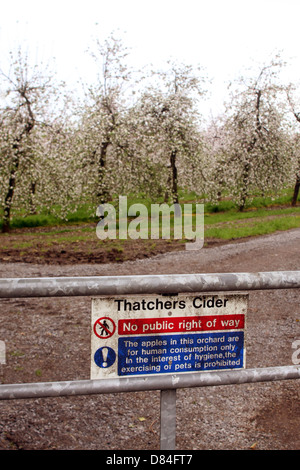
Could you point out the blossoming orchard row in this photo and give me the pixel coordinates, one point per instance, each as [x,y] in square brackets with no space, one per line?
[136,134]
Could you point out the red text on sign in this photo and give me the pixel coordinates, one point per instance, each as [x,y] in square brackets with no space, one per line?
[141,326]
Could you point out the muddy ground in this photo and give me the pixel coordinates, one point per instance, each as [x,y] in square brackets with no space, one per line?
[49,340]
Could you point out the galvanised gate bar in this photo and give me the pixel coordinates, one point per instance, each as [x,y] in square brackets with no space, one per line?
[149,284]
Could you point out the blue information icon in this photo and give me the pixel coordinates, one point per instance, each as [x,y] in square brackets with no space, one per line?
[104,357]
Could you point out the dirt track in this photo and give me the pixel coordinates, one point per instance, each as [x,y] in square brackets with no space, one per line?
[49,340]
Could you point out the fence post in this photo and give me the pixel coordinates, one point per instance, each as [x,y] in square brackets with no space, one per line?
[167,419]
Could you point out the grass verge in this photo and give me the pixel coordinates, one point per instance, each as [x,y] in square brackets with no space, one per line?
[46,237]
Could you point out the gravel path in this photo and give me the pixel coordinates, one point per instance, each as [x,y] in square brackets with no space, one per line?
[49,339]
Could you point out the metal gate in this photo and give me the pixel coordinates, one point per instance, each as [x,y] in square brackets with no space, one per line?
[149,284]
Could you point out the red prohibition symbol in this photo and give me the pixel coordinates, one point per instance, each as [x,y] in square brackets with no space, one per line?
[104,327]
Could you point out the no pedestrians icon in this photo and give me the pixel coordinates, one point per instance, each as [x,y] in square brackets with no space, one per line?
[104,327]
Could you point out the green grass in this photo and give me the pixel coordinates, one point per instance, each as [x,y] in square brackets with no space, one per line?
[251,227]
[232,215]
[86,213]
[222,220]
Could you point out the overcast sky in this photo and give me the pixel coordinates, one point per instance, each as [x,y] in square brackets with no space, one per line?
[224,36]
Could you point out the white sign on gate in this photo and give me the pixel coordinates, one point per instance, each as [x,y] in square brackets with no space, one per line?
[158,334]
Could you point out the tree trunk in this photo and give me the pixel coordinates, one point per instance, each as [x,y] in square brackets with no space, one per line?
[296,190]
[244,192]
[8,201]
[10,191]
[102,191]
[174,177]
[32,194]
[251,145]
